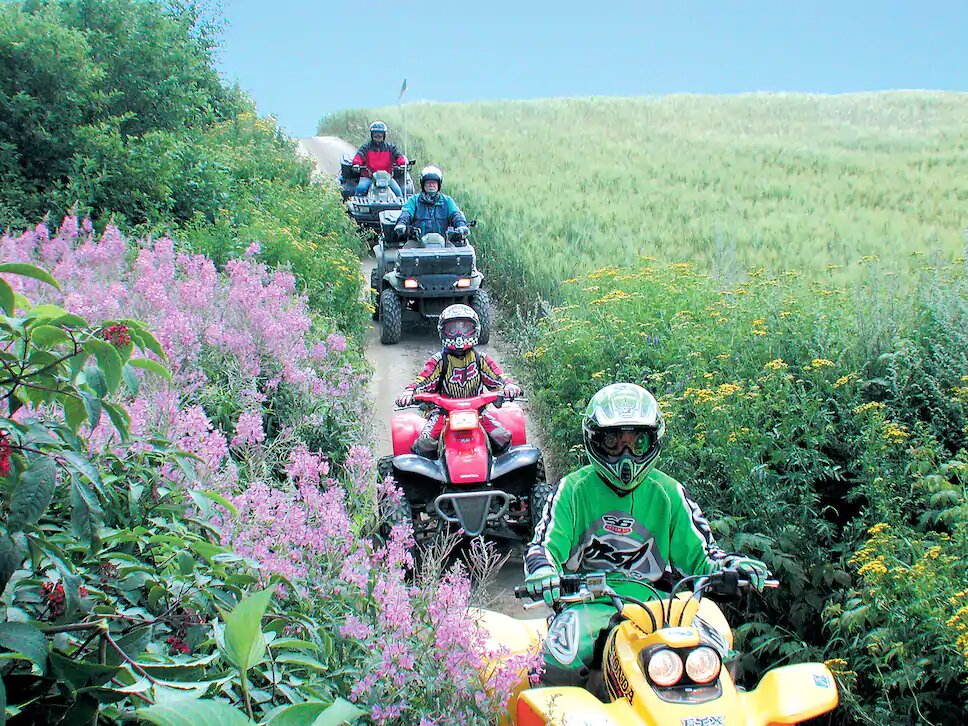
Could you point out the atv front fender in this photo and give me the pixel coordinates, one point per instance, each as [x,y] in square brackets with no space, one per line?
[517,457]
[422,466]
[791,694]
[570,705]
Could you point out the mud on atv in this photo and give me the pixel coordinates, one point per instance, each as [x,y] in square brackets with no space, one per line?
[365,210]
[469,486]
[421,275]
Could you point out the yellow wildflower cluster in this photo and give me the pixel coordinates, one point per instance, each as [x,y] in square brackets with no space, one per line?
[777,364]
[603,272]
[894,432]
[870,406]
[611,297]
[876,568]
[712,395]
[536,353]
[598,374]
[844,380]
[821,363]
[734,435]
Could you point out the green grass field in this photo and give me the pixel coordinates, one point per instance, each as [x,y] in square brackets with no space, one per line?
[564,186]
[719,251]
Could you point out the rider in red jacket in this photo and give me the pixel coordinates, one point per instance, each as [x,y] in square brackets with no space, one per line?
[377,155]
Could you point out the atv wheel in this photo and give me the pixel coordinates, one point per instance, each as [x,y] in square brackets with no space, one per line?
[541,492]
[481,303]
[391,313]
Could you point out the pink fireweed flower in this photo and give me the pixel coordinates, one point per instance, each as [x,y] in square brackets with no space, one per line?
[248,430]
[253,249]
[306,466]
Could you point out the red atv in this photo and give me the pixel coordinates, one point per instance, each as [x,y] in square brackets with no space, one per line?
[501,494]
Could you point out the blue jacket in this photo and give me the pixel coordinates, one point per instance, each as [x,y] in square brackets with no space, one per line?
[436,216]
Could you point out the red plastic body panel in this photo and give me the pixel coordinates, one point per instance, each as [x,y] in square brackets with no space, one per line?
[405,427]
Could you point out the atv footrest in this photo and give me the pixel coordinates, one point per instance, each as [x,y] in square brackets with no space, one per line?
[472,510]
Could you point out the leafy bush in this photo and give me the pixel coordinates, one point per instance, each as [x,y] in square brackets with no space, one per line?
[802,415]
[221,487]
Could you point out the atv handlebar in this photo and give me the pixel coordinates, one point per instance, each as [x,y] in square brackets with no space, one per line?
[592,586]
[475,403]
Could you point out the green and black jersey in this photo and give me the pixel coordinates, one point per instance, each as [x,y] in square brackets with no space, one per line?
[656,528]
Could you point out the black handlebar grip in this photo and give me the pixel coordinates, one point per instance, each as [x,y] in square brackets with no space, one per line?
[521,592]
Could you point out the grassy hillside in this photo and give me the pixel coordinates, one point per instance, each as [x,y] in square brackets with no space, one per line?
[780,181]
[721,252]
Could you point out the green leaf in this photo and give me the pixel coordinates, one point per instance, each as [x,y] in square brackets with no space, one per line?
[11,558]
[35,489]
[81,465]
[151,365]
[92,404]
[95,379]
[22,268]
[145,340]
[44,336]
[81,674]
[298,714]
[47,311]
[131,380]
[186,563]
[342,711]
[27,640]
[7,300]
[200,498]
[187,711]
[245,645]
[74,411]
[86,514]
[298,659]
[120,418]
[108,361]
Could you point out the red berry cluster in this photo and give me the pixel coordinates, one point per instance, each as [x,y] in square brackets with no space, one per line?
[117,335]
[4,454]
[53,595]
[181,621]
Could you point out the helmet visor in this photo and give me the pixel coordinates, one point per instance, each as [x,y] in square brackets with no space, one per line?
[461,326]
[612,443]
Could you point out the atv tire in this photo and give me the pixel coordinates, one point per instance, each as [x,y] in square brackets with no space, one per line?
[481,302]
[391,315]
[541,492]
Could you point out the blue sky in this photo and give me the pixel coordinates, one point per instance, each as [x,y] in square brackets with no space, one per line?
[301,59]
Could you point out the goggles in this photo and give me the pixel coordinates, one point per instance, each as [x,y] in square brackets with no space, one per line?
[453,328]
[612,442]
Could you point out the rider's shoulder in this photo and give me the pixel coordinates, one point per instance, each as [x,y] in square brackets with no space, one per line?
[664,481]
[578,477]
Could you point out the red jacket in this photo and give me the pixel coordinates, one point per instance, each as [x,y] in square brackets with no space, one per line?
[378,157]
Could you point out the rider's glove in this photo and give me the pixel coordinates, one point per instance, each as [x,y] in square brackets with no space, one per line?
[756,571]
[544,581]
[405,398]
[400,230]
[463,231]
[512,391]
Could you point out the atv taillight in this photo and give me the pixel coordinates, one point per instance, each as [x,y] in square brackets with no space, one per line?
[463,420]
[411,284]
[463,282]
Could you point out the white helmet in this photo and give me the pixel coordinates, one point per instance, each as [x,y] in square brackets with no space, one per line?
[458,327]
[431,172]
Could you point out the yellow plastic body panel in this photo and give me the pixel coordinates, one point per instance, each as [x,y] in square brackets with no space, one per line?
[512,637]
[570,707]
[684,611]
[791,694]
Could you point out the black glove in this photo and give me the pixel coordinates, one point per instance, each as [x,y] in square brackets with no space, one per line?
[400,231]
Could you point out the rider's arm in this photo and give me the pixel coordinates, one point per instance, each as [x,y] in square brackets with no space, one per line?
[426,380]
[398,158]
[455,217]
[693,549]
[409,209]
[360,158]
[491,374]
[554,535]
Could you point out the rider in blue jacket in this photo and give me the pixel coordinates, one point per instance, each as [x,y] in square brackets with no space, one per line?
[431,210]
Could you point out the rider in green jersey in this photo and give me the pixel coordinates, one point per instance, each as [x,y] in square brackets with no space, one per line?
[622,516]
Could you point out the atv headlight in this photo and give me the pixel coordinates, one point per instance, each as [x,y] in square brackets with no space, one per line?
[463,420]
[665,667]
[703,665]
[362,209]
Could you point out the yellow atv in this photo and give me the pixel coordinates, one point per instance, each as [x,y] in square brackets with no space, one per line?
[661,663]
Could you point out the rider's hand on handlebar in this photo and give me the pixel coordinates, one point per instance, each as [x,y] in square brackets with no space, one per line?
[754,570]
[405,398]
[544,581]
[512,391]
[400,230]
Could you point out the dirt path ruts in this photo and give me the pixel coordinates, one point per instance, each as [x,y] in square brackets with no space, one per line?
[394,366]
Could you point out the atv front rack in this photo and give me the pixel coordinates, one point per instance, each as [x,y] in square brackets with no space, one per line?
[472,510]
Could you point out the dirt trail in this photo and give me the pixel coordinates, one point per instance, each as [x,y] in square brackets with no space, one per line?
[394,366]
